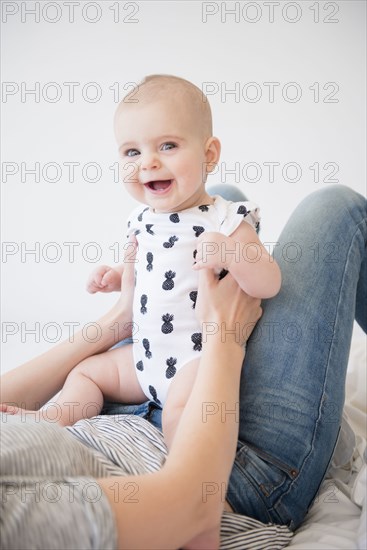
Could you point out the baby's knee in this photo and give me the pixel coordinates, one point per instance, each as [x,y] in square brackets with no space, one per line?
[84,368]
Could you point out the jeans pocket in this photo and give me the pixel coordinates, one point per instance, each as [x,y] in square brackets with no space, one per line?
[265,472]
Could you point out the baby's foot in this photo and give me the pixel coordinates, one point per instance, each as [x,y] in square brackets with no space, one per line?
[210,540]
[14,410]
[11,409]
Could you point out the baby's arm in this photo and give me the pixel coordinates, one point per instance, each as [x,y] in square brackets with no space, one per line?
[244,256]
[108,279]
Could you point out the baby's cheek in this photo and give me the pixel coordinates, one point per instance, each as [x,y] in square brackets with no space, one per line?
[128,172]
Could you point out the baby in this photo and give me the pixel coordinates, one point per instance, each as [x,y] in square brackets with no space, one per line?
[166,145]
[163,129]
[164,134]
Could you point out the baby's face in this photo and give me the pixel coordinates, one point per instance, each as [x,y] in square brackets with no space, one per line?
[163,156]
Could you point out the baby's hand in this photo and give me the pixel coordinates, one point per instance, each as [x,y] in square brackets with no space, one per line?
[104,279]
[214,251]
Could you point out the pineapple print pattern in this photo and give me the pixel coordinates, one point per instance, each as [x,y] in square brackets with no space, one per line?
[242,210]
[168,335]
[150,261]
[196,340]
[171,369]
[140,217]
[146,345]
[143,302]
[153,393]
[168,284]
[193,295]
[167,326]
[171,241]
[198,229]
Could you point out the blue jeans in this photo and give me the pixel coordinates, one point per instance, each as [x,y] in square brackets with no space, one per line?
[293,377]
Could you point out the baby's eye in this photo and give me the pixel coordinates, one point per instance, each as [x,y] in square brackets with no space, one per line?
[167,146]
[131,153]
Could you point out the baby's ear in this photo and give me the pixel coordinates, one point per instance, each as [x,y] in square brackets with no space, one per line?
[212,153]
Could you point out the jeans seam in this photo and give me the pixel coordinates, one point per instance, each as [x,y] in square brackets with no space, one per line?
[317,423]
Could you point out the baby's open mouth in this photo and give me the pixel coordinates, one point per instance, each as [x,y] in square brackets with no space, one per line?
[159,185]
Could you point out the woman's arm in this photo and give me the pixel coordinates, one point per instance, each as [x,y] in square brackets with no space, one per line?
[186,497]
[32,384]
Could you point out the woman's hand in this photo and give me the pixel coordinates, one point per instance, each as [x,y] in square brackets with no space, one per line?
[211,246]
[222,306]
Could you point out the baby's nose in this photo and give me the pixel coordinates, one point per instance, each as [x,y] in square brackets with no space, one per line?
[149,161]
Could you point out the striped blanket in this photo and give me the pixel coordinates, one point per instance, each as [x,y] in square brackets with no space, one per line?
[49,497]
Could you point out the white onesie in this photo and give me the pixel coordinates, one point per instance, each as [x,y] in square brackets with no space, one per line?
[167,331]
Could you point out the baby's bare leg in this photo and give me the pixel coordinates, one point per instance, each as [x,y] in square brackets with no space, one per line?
[177,397]
[108,375]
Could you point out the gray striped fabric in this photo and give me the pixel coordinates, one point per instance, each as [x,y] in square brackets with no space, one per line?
[49,499]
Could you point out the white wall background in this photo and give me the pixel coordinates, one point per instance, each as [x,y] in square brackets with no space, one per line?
[319,46]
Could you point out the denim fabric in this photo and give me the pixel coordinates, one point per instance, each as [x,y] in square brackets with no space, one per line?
[293,378]
[149,411]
